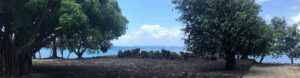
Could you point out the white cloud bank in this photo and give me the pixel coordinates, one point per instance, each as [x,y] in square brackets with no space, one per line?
[296,19]
[152,35]
[261,1]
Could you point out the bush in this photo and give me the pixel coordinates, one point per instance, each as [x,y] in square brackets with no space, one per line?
[157,55]
[135,52]
[144,54]
[165,53]
[174,56]
[151,54]
[186,55]
[121,54]
[127,53]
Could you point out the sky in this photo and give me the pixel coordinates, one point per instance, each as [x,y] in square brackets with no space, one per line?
[153,22]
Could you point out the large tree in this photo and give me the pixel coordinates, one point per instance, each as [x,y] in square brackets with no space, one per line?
[28,25]
[220,26]
[96,37]
[291,41]
[284,39]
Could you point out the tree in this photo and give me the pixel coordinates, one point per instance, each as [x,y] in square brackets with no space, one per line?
[256,42]
[284,39]
[28,25]
[62,45]
[263,44]
[294,54]
[291,41]
[219,26]
[279,26]
[53,49]
[96,36]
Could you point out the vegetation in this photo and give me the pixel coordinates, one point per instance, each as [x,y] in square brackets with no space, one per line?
[215,29]
[224,27]
[38,61]
[286,38]
[28,25]
[163,54]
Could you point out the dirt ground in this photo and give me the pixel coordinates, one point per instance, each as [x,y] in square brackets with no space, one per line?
[273,71]
[135,68]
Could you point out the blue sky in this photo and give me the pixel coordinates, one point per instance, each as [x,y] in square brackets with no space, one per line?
[153,22]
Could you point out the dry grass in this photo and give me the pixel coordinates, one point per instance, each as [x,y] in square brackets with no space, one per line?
[135,68]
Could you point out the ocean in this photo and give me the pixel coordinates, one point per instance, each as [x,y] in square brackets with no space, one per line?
[45,52]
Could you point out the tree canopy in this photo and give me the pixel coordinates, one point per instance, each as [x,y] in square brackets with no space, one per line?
[28,25]
[222,27]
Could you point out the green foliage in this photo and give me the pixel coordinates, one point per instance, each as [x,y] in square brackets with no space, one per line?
[291,42]
[81,25]
[186,55]
[165,53]
[215,29]
[263,41]
[144,54]
[221,27]
[72,15]
[136,53]
[295,53]
[121,54]
[279,27]
[282,39]
[99,22]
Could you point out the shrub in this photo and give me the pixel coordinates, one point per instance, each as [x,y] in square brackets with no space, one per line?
[135,52]
[144,54]
[165,53]
[186,55]
[174,56]
[120,54]
[127,53]
[157,55]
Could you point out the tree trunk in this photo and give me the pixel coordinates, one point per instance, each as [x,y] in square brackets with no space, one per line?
[69,55]
[10,64]
[62,53]
[230,60]
[262,58]
[244,56]
[54,52]
[33,56]
[80,52]
[79,55]
[238,56]
[292,60]
[1,60]
[25,64]
[40,55]
[15,63]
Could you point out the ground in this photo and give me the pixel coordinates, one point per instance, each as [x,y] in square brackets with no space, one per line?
[273,71]
[135,68]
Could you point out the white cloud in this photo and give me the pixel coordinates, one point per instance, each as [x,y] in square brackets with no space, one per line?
[296,19]
[261,1]
[152,35]
[293,7]
[268,17]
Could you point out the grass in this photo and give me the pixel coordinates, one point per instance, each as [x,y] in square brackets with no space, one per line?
[38,61]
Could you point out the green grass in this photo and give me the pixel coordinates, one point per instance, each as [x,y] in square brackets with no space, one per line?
[38,61]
